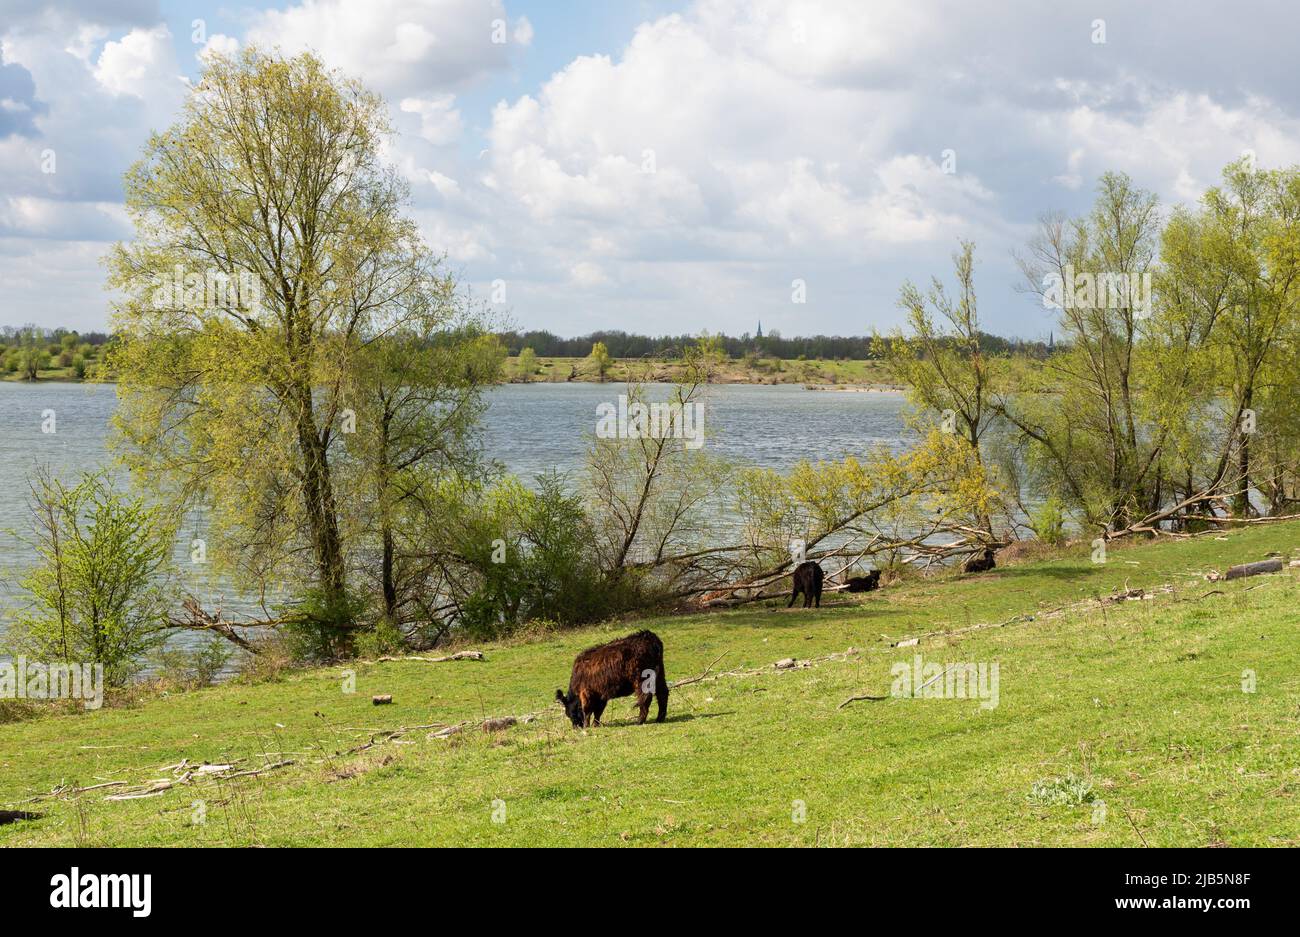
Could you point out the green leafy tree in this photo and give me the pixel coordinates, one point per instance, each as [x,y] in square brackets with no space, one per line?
[1082,414]
[418,395]
[1252,223]
[99,592]
[526,366]
[271,198]
[710,354]
[941,362]
[33,355]
[599,360]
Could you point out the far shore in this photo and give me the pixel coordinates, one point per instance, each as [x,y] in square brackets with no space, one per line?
[856,376]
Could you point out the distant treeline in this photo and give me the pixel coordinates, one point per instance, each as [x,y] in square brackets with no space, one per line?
[627,345]
[828,347]
[17,334]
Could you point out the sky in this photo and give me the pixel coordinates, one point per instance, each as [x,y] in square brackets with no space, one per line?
[672,167]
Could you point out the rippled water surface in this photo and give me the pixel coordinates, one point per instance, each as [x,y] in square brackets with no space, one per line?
[529,428]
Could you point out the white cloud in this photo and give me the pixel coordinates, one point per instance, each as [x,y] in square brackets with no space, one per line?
[751,162]
[588,275]
[139,63]
[85,39]
[523,33]
[689,170]
[35,217]
[810,135]
[445,185]
[1176,144]
[402,48]
[439,120]
[219,44]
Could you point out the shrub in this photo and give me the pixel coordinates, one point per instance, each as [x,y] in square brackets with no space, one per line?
[1067,791]
[193,668]
[551,573]
[273,655]
[17,710]
[1048,521]
[384,638]
[322,625]
[98,594]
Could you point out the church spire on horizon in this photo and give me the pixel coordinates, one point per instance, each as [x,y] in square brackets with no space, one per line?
[760,329]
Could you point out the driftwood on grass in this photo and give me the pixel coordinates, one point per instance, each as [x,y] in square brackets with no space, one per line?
[786,665]
[64,790]
[915,693]
[857,699]
[459,655]
[697,679]
[184,773]
[386,735]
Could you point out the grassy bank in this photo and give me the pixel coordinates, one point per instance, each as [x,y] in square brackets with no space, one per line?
[74,364]
[864,373]
[1142,700]
[827,375]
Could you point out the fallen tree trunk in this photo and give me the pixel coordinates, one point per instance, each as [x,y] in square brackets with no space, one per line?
[197,619]
[1254,569]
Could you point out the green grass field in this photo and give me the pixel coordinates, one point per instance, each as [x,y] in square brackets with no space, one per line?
[1140,703]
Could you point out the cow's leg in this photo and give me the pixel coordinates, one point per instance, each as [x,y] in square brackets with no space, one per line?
[793,595]
[819,595]
[661,693]
[807,598]
[643,706]
[597,709]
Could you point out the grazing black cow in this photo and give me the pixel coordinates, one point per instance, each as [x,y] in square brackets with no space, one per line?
[14,816]
[808,580]
[979,562]
[631,665]
[868,583]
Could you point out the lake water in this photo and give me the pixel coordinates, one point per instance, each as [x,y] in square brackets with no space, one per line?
[528,428]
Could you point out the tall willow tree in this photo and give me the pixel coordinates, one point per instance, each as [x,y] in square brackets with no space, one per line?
[1256,214]
[941,362]
[270,254]
[418,402]
[1084,423]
